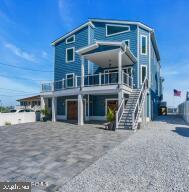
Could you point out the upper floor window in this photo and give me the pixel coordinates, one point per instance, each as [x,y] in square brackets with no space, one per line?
[116,29]
[143,45]
[70,39]
[143,74]
[70,79]
[70,54]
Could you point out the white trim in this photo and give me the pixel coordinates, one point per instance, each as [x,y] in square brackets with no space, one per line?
[138,58]
[129,45]
[150,109]
[141,66]
[66,115]
[146,42]
[98,43]
[73,31]
[122,22]
[89,42]
[73,48]
[106,101]
[113,25]
[69,78]
[69,38]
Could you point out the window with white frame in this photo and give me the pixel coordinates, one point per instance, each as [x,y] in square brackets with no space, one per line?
[70,39]
[143,44]
[70,54]
[143,74]
[116,29]
[127,42]
[70,80]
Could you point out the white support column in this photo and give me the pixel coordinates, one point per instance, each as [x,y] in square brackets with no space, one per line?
[100,79]
[76,81]
[82,71]
[120,68]
[80,110]
[54,108]
[42,103]
[120,96]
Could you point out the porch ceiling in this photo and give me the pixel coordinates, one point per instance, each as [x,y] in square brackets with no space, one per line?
[105,54]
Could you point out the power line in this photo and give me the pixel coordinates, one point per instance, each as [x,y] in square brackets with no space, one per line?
[23,68]
[19,95]
[15,90]
[14,77]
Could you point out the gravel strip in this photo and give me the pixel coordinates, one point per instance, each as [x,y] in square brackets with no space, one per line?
[155,158]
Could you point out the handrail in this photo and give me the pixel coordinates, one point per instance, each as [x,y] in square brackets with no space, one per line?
[119,113]
[99,79]
[137,105]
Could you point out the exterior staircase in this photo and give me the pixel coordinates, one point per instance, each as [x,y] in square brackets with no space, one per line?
[127,117]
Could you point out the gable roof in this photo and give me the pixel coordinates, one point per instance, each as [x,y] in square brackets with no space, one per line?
[122,22]
[90,23]
[35,97]
[72,32]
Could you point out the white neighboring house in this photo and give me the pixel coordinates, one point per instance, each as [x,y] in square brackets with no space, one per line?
[32,102]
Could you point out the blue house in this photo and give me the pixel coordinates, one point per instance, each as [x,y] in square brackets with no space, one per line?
[105,64]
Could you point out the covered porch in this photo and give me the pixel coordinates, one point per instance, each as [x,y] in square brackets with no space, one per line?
[111,82]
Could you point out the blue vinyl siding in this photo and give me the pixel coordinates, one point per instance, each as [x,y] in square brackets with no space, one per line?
[61,67]
[100,34]
[99,104]
[155,81]
[89,35]
[143,59]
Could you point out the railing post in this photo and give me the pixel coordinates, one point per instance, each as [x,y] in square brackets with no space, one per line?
[82,71]
[116,119]
[99,78]
[133,120]
[53,86]
[76,81]
[63,83]
[128,82]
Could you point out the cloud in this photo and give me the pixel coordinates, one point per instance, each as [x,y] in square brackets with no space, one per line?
[66,12]
[21,53]
[44,54]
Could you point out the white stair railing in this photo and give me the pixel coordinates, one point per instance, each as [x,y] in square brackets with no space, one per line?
[139,104]
[119,113]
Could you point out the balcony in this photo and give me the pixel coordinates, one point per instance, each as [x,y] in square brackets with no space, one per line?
[95,80]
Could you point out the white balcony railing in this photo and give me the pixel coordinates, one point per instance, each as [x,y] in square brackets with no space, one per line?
[100,79]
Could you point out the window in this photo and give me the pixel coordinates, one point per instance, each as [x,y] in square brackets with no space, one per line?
[116,29]
[127,42]
[70,80]
[70,54]
[143,45]
[143,73]
[70,39]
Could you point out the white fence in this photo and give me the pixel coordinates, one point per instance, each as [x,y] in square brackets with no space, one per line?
[16,118]
[183,110]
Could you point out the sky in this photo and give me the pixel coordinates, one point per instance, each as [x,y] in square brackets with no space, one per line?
[27,29]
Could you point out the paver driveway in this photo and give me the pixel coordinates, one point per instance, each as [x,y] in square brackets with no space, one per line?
[52,152]
[154,159]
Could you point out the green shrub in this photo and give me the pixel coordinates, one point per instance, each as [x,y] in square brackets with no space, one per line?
[110,115]
[7,123]
[45,112]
